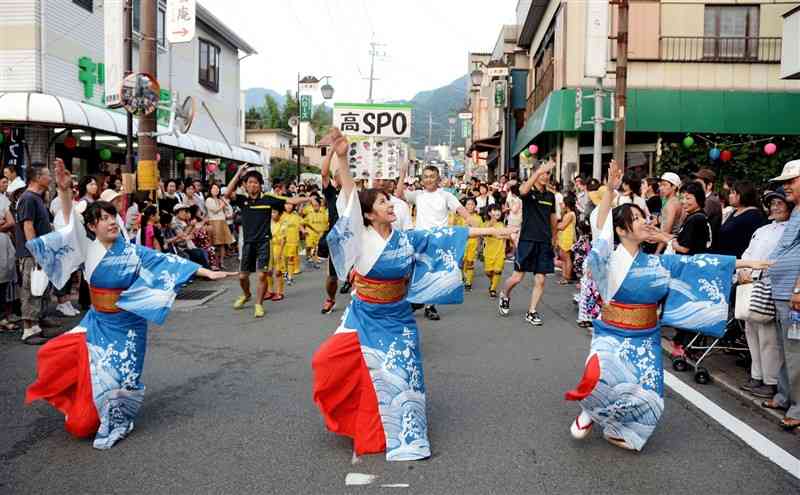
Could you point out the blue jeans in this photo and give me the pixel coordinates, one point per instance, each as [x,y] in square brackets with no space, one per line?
[788,395]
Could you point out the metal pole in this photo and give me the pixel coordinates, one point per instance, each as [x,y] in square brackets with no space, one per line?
[148,64]
[597,152]
[298,128]
[371,70]
[622,82]
[128,70]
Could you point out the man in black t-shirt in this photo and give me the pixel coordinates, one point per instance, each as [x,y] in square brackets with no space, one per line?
[537,237]
[331,194]
[256,217]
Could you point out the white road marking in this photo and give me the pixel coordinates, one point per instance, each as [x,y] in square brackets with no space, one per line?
[751,437]
[395,485]
[359,479]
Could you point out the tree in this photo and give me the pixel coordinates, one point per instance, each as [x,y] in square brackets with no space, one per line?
[290,109]
[253,119]
[272,113]
[286,170]
[322,120]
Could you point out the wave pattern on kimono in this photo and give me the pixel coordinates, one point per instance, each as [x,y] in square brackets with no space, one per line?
[112,339]
[623,385]
[387,335]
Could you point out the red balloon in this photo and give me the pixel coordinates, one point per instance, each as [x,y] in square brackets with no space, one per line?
[533,149]
[197,165]
[770,149]
[726,156]
[70,142]
[231,167]
[212,167]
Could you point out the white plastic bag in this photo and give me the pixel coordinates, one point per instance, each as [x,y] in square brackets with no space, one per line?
[38,282]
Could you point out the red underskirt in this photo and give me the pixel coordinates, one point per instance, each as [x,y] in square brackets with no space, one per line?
[591,375]
[64,381]
[344,393]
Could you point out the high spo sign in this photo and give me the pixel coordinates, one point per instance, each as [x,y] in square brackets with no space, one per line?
[386,121]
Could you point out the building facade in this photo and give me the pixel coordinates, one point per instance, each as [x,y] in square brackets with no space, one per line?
[694,67]
[52,86]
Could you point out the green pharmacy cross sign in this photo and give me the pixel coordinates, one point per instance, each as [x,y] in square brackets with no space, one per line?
[91,74]
[306,108]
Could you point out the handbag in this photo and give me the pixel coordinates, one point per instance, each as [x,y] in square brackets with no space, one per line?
[38,281]
[754,302]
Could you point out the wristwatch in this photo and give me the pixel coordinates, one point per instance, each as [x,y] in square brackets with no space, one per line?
[796,291]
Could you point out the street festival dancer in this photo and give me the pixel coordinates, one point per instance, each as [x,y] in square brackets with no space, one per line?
[256,213]
[368,378]
[91,373]
[622,388]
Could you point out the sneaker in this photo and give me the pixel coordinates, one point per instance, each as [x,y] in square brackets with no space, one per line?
[258,310]
[290,281]
[533,318]
[432,314]
[345,288]
[751,384]
[764,391]
[493,294]
[240,302]
[328,306]
[33,336]
[67,309]
[468,287]
[504,306]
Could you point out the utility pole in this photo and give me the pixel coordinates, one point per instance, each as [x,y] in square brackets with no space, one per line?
[148,61]
[373,52]
[599,119]
[430,128]
[128,61]
[622,81]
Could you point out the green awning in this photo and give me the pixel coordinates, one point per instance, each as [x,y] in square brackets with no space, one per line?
[664,110]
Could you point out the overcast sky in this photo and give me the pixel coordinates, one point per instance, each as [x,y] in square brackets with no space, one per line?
[426,41]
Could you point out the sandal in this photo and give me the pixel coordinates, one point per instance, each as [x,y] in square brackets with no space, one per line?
[771,404]
[790,425]
[563,281]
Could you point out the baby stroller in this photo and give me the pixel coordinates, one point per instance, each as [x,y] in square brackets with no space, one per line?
[731,340]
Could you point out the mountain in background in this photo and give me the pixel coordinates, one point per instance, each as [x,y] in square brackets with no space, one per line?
[254,97]
[431,112]
[433,106]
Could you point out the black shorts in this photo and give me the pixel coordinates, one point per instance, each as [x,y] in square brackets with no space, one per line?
[255,257]
[534,257]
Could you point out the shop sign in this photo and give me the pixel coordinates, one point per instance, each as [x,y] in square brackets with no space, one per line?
[181,20]
[114,50]
[500,94]
[384,121]
[466,129]
[306,108]
[13,149]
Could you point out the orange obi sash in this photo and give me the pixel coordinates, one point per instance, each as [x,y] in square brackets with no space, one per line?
[379,291]
[630,316]
[105,300]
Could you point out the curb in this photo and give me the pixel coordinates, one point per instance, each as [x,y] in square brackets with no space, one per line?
[729,386]
[190,305]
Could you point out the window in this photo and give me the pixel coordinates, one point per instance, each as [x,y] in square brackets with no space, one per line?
[209,65]
[161,23]
[86,4]
[731,31]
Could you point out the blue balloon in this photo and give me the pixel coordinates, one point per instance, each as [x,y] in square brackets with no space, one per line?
[714,153]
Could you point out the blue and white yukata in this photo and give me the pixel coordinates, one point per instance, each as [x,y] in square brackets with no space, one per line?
[92,373]
[368,377]
[623,385]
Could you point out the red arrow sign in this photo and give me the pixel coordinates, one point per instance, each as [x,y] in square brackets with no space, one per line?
[182,32]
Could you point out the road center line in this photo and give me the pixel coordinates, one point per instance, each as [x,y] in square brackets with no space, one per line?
[751,437]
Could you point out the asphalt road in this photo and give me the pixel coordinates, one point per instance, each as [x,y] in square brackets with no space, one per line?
[228,410]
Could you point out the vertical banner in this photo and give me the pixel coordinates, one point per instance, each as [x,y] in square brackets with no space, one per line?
[377,136]
[595,62]
[306,108]
[114,50]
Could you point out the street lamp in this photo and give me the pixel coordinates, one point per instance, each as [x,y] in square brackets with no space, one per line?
[327,93]
[477,75]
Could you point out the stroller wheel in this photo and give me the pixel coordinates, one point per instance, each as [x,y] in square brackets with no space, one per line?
[679,364]
[702,376]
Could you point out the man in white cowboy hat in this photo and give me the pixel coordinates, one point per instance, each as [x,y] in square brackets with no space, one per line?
[672,212]
[785,278]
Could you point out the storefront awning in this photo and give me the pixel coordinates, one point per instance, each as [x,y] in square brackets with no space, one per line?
[672,111]
[486,144]
[37,108]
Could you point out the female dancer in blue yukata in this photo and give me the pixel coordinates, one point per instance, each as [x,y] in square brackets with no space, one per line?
[368,378]
[622,388]
[91,373]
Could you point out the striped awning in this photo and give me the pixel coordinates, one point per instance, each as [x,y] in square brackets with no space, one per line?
[38,108]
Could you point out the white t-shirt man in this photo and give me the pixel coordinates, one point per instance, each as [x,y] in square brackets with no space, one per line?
[402,212]
[432,207]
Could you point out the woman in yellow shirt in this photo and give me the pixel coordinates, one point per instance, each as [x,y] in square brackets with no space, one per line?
[316,223]
[292,225]
[494,250]
[471,251]
[566,238]
[277,263]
